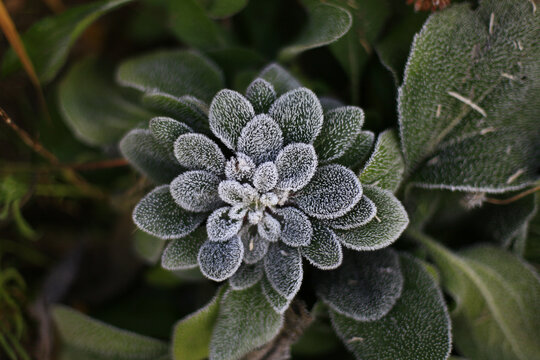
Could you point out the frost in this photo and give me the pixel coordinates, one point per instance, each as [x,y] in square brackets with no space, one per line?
[324,251]
[295,227]
[355,157]
[283,268]
[181,254]
[281,79]
[261,139]
[232,192]
[196,191]
[158,215]
[240,168]
[229,113]
[362,213]
[340,129]
[246,276]
[279,303]
[220,227]
[166,130]
[186,109]
[296,165]
[299,115]
[269,228]
[255,247]
[261,94]
[220,260]
[198,152]
[333,191]
[265,177]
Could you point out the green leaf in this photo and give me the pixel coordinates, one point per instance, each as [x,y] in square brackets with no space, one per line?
[174,72]
[281,79]
[148,247]
[96,338]
[181,254]
[417,327]
[49,40]
[100,112]
[468,105]
[219,9]
[497,314]
[327,23]
[385,166]
[191,337]
[359,152]
[246,321]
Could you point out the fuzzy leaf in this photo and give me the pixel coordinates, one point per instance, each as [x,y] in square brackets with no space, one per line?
[265,177]
[269,228]
[281,79]
[327,23]
[261,139]
[229,113]
[198,152]
[255,247]
[468,106]
[166,130]
[296,165]
[246,276]
[186,109]
[417,327]
[340,129]
[49,53]
[384,229]
[192,334]
[365,287]
[174,72]
[362,213]
[261,94]
[296,228]
[245,321]
[278,302]
[220,260]
[332,192]
[99,113]
[99,339]
[181,254]
[158,215]
[240,168]
[220,226]
[496,298]
[385,167]
[232,192]
[359,152]
[283,268]
[146,155]
[299,115]
[196,191]
[324,251]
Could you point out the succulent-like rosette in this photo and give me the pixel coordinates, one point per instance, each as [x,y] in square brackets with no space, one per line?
[262,184]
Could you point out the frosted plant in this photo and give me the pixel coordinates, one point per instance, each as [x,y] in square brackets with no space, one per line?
[264,187]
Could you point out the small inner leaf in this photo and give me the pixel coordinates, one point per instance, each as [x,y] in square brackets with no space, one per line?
[261,139]
[266,177]
[296,165]
[220,226]
[269,228]
[198,152]
[295,227]
[220,260]
[196,191]
[166,130]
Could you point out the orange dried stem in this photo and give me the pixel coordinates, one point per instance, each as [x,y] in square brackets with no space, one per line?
[513,198]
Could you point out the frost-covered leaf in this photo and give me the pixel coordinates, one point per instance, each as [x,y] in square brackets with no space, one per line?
[261,94]
[365,287]
[417,327]
[283,268]
[340,129]
[324,251]
[385,167]
[232,192]
[245,321]
[261,139]
[496,297]
[468,105]
[269,228]
[199,152]
[240,168]
[246,276]
[384,229]
[220,226]
[327,23]
[174,72]
[192,334]
[255,247]
[94,337]
[166,130]
[359,152]
[296,228]
[229,113]
[158,215]
[181,254]
[265,177]
[99,113]
[362,213]
[148,247]
[296,165]
[299,115]
[186,109]
[49,53]
[146,155]
[281,79]
[196,191]
[278,302]
[333,191]
[219,260]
